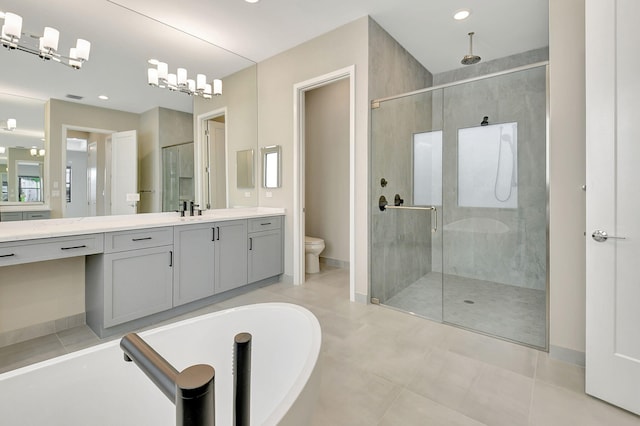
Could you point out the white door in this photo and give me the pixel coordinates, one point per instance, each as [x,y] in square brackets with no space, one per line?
[613,202]
[123,172]
[217,165]
[92,177]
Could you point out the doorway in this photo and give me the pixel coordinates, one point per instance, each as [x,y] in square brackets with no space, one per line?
[91,188]
[213,192]
[326,142]
[299,228]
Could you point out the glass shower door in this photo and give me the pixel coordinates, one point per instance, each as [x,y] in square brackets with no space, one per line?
[495,198]
[406,245]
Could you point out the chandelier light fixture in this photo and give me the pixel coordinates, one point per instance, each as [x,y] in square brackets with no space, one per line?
[179,82]
[13,38]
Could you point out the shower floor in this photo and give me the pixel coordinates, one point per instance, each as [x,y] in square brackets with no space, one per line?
[507,311]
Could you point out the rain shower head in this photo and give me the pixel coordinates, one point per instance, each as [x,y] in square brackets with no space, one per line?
[470,59]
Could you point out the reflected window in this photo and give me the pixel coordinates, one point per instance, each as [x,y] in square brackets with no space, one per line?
[30,189]
[5,187]
[67,183]
[427,168]
[271,166]
[488,166]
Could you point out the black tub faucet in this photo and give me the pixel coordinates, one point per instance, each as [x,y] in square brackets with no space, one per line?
[191,390]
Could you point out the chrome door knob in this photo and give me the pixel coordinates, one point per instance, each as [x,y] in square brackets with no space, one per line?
[602,236]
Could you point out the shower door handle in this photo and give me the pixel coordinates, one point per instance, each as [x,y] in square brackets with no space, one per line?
[602,236]
[434,228]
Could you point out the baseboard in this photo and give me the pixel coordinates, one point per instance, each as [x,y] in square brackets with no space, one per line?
[362,298]
[334,262]
[567,355]
[287,279]
[38,330]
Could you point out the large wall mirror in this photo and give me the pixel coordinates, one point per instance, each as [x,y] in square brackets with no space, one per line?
[60,115]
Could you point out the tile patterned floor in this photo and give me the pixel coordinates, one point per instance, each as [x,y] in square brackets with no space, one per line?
[384,367]
[508,311]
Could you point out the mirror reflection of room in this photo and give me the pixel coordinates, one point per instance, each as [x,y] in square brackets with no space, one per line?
[21,174]
[93,100]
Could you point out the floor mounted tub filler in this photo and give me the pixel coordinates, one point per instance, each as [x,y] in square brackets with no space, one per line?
[95,386]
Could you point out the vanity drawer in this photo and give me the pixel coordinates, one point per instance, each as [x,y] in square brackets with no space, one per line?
[265,223]
[13,253]
[36,215]
[10,216]
[136,239]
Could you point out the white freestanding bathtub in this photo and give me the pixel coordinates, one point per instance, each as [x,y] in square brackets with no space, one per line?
[95,386]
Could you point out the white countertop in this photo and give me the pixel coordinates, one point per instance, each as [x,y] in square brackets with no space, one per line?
[47,228]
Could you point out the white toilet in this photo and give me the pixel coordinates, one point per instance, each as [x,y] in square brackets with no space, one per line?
[312,249]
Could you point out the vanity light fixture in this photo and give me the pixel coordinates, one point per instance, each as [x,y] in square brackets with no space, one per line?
[35,152]
[461,14]
[13,38]
[179,82]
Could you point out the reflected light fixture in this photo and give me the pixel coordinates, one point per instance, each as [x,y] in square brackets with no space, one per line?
[179,82]
[12,37]
[11,124]
[461,14]
[2,150]
[35,152]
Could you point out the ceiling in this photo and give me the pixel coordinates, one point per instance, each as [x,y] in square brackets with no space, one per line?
[221,37]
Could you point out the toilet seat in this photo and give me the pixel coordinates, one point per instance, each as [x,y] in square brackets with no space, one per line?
[312,241]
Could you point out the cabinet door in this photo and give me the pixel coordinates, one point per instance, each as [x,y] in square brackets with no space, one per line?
[265,255]
[231,255]
[194,263]
[137,283]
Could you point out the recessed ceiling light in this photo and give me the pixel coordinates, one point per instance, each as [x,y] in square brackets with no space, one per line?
[252,1]
[461,14]
[153,61]
[103,97]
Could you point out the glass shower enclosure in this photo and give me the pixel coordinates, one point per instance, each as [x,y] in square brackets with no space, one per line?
[459,187]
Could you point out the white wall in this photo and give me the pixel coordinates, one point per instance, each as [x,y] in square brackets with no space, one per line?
[327,168]
[567,175]
[40,292]
[60,113]
[239,94]
[340,48]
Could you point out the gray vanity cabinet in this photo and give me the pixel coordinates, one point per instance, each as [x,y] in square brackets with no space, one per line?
[193,272]
[132,279]
[231,255]
[265,248]
[162,270]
